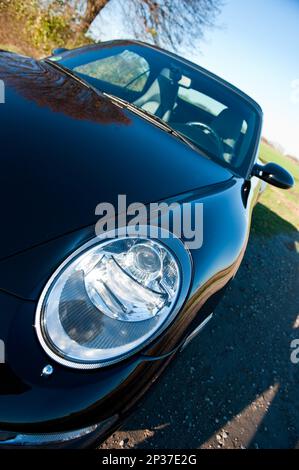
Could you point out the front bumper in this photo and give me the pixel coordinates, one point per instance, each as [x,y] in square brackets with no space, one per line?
[81,438]
[71,408]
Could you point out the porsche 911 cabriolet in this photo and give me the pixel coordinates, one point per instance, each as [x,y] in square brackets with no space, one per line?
[89,322]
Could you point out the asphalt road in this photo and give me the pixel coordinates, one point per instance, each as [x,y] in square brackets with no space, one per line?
[234,386]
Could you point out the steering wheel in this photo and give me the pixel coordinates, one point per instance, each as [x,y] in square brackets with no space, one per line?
[210,132]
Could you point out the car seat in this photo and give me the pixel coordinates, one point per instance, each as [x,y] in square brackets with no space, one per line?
[227,125]
[161,96]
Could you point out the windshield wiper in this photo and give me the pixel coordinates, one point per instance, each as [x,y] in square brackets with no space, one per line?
[164,125]
[142,112]
[69,72]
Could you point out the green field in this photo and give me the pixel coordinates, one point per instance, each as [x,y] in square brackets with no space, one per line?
[269,154]
[278,209]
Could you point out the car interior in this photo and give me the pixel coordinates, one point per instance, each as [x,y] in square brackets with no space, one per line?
[175,96]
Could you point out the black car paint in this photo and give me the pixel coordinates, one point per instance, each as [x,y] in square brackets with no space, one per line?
[49,194]
[53,190]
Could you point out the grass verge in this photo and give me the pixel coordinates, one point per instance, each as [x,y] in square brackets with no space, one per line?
[278,209]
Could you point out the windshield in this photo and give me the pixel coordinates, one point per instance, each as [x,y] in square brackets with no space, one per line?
[215,118]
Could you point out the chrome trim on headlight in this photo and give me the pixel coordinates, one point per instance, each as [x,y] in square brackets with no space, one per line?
[184,261]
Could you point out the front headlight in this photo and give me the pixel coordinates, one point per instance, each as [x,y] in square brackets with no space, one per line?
[111,298]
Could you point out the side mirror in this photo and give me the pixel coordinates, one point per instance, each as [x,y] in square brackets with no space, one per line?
[59,50]
[273,174]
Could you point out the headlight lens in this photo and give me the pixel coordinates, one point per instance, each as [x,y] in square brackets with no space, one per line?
[108,300]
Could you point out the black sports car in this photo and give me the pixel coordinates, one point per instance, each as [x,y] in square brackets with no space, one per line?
[88,320]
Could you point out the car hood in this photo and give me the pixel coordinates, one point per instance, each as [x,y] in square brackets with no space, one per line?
[64,149]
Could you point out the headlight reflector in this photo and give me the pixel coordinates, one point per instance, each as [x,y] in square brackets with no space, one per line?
[109,299]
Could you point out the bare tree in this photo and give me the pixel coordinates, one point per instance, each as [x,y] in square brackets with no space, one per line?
[91,11]
[167,22]
[47,23]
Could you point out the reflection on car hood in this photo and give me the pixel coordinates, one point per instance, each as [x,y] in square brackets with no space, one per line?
[64,149]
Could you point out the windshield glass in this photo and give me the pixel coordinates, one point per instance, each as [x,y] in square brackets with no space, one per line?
[214,117]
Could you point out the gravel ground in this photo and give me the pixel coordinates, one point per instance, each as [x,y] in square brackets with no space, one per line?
[234,386]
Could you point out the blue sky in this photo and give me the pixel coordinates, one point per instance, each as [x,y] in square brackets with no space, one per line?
[255,47]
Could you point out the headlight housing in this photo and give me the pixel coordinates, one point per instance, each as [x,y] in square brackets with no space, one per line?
[111,298]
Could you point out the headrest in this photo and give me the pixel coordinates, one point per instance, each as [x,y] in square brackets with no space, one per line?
[228,124]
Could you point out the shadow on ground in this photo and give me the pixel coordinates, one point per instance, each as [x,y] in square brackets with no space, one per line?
[235,385]
[267,222]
